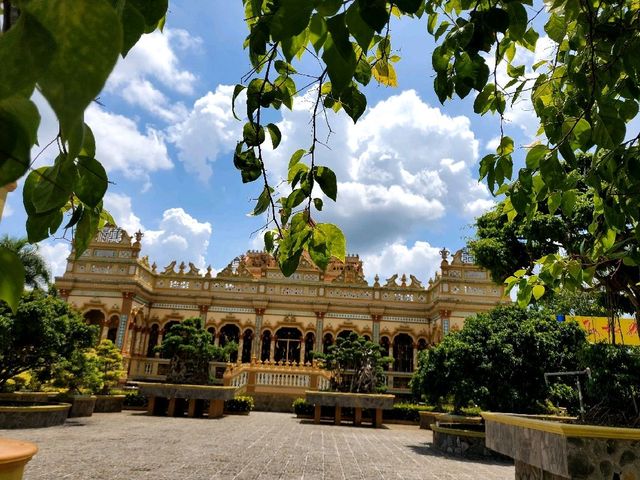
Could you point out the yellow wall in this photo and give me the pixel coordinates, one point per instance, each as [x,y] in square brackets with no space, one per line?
[597,329]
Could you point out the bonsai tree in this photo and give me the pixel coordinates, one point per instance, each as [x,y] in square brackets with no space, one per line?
[43,331]
[109,362]
[498,360]
[357,365]
[190,349]
[78,373]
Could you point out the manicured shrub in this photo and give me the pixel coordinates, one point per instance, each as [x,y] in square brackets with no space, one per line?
[301,407]
[240,404]
[134,398]
[109,361]
[498,360]
[407,411]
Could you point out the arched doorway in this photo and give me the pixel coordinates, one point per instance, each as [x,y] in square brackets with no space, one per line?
[112,332]
[403,353]
[422,344]
[212,332]
[95,317]
[288,345]
[154,333]
[247,340]
[345,334]
[230,333]
[385,344]
[309,343]
[265,353]
[327,341]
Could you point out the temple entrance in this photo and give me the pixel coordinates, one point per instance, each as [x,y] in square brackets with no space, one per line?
[403,353]
[327,341]
[288,345]
[230,333]
[153,340]
[247,339]
[265,352]
[309,342]
[112,332]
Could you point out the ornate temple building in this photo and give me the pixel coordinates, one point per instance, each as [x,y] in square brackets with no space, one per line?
[271,317]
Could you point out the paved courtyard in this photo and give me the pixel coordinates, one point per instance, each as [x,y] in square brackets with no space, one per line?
[131,446]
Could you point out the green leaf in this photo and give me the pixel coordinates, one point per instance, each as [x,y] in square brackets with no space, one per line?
[329,7]
[432,23]
[327,181]
[334,238]
[291,18]
[88,36]
[85,231]
[317,202]
[535,155]
[374,13]
[153,11]
[556,28]
[236,91]
[92,181]
[295,158]
[292,46]
[353,102]
[289,263]
[538,291]
[554,201]
[133,26]
[55,185]
[284,68]
[25,52]
[361,31]
[75,217]
[268,241]
[409,6]
[362,75]
[263,201]
[11,278]
[517,20]
[89,144]
[568,202]
[317,31]
[506,146]
[274,133]
[19,120]
[253,134]
[40,226]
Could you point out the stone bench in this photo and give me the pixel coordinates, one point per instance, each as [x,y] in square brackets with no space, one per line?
[357,401]
[172,398]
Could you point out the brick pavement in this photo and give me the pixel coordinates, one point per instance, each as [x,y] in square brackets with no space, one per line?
[132,446]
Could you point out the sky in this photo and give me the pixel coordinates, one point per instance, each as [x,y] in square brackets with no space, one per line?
[407,171]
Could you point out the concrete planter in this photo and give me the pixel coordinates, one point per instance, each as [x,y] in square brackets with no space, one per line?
[27,396]
[429,418]
[172,399]
[81,405]
[109,403]
[357,401]
[14,455]
[560,451]
[33,415]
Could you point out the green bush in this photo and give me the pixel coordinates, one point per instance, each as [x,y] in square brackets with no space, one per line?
[78,373]
[614,388]
[239,404]
[109,361]
[498,360]
[301,407]
[134,398]
[407,411]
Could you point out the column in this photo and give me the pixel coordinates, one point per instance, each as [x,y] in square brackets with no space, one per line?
[256,344]
[375,327]
[160,338]
[415,356]
[104,330]
[240,346]
[216,339]
[203,313]
[123,331]
[303,347]
[444,322]
[272,348]
[319,330]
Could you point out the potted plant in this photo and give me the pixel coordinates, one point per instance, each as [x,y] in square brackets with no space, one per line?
[357,380]
[43,331]
[78,375]
[188,385]
[109,362]
[240,405]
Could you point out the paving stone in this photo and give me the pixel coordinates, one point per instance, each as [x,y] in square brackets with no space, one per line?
[133,446]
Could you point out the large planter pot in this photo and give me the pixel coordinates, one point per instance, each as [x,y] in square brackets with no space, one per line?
[558,451]
[109,403]
[14,455]
[27,396]
[357,401]
[81,405]
[172,399]
[32,415]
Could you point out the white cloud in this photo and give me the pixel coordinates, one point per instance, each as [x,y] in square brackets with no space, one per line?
[153,57]
[121,147]
[208,131]
[421,260]
[403,166]
[143,94]
[55,253]
[180,237]
[120,208]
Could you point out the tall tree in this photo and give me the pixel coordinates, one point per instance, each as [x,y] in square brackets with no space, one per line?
[36,271]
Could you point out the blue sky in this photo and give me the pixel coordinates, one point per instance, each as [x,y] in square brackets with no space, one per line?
[407,171]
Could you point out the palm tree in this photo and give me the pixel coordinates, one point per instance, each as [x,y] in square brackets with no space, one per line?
[36,272]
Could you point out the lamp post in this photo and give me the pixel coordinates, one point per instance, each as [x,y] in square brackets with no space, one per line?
[3,195]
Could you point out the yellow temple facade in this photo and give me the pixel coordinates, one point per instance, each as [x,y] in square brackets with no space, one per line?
[272,318]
